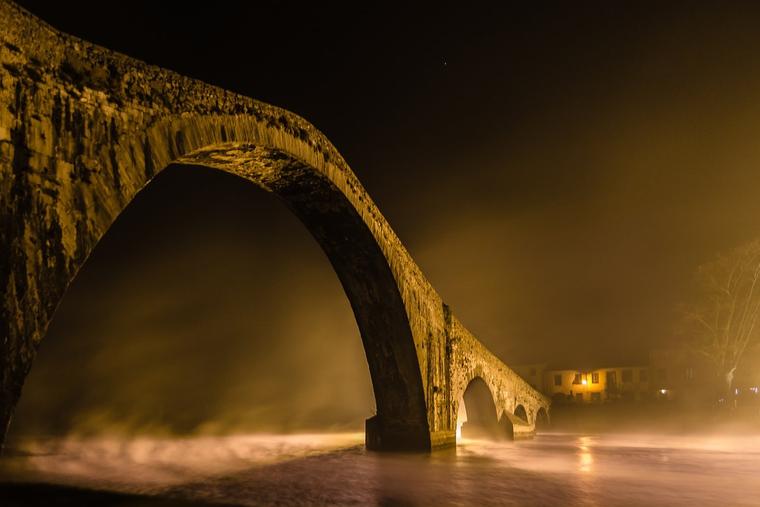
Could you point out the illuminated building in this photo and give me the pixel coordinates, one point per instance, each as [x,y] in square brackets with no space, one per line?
[593,385]
[672,374]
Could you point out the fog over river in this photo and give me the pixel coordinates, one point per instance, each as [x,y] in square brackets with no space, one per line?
[334,469]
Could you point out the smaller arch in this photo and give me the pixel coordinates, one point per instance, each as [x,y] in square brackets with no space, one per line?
[521,413]
[522,427]
[542,419]
[477,416]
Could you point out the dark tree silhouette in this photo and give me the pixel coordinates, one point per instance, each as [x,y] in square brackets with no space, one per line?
[724,314]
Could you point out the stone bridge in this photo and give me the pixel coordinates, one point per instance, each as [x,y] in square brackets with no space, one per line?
[83,129]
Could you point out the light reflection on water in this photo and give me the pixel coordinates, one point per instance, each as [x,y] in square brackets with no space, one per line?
[553,469]
[585,455]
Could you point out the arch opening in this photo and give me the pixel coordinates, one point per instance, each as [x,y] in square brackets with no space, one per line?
[542,419]
[369,283]
[522,413]
[192,319]
[477,417]
[342,231]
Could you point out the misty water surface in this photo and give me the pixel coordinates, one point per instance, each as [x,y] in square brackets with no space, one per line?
[334,469]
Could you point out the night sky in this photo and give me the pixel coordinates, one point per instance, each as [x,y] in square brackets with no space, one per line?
[558,171]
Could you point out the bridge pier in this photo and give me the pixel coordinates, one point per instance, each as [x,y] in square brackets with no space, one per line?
[380,436]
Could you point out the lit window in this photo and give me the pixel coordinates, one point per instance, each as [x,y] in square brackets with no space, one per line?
[754,389]
[595,378]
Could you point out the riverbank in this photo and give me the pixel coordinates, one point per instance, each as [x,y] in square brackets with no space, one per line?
[658,417]
[31,494]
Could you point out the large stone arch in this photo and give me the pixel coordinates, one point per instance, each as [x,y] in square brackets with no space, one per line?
[325,197]
[78,155]
[83,129]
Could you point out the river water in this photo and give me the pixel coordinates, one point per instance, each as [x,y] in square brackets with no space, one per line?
[334,469]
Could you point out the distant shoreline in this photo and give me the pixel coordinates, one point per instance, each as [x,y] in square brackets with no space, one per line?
[668,418]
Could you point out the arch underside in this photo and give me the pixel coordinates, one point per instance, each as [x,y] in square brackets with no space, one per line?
[363,271]
[354,253]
